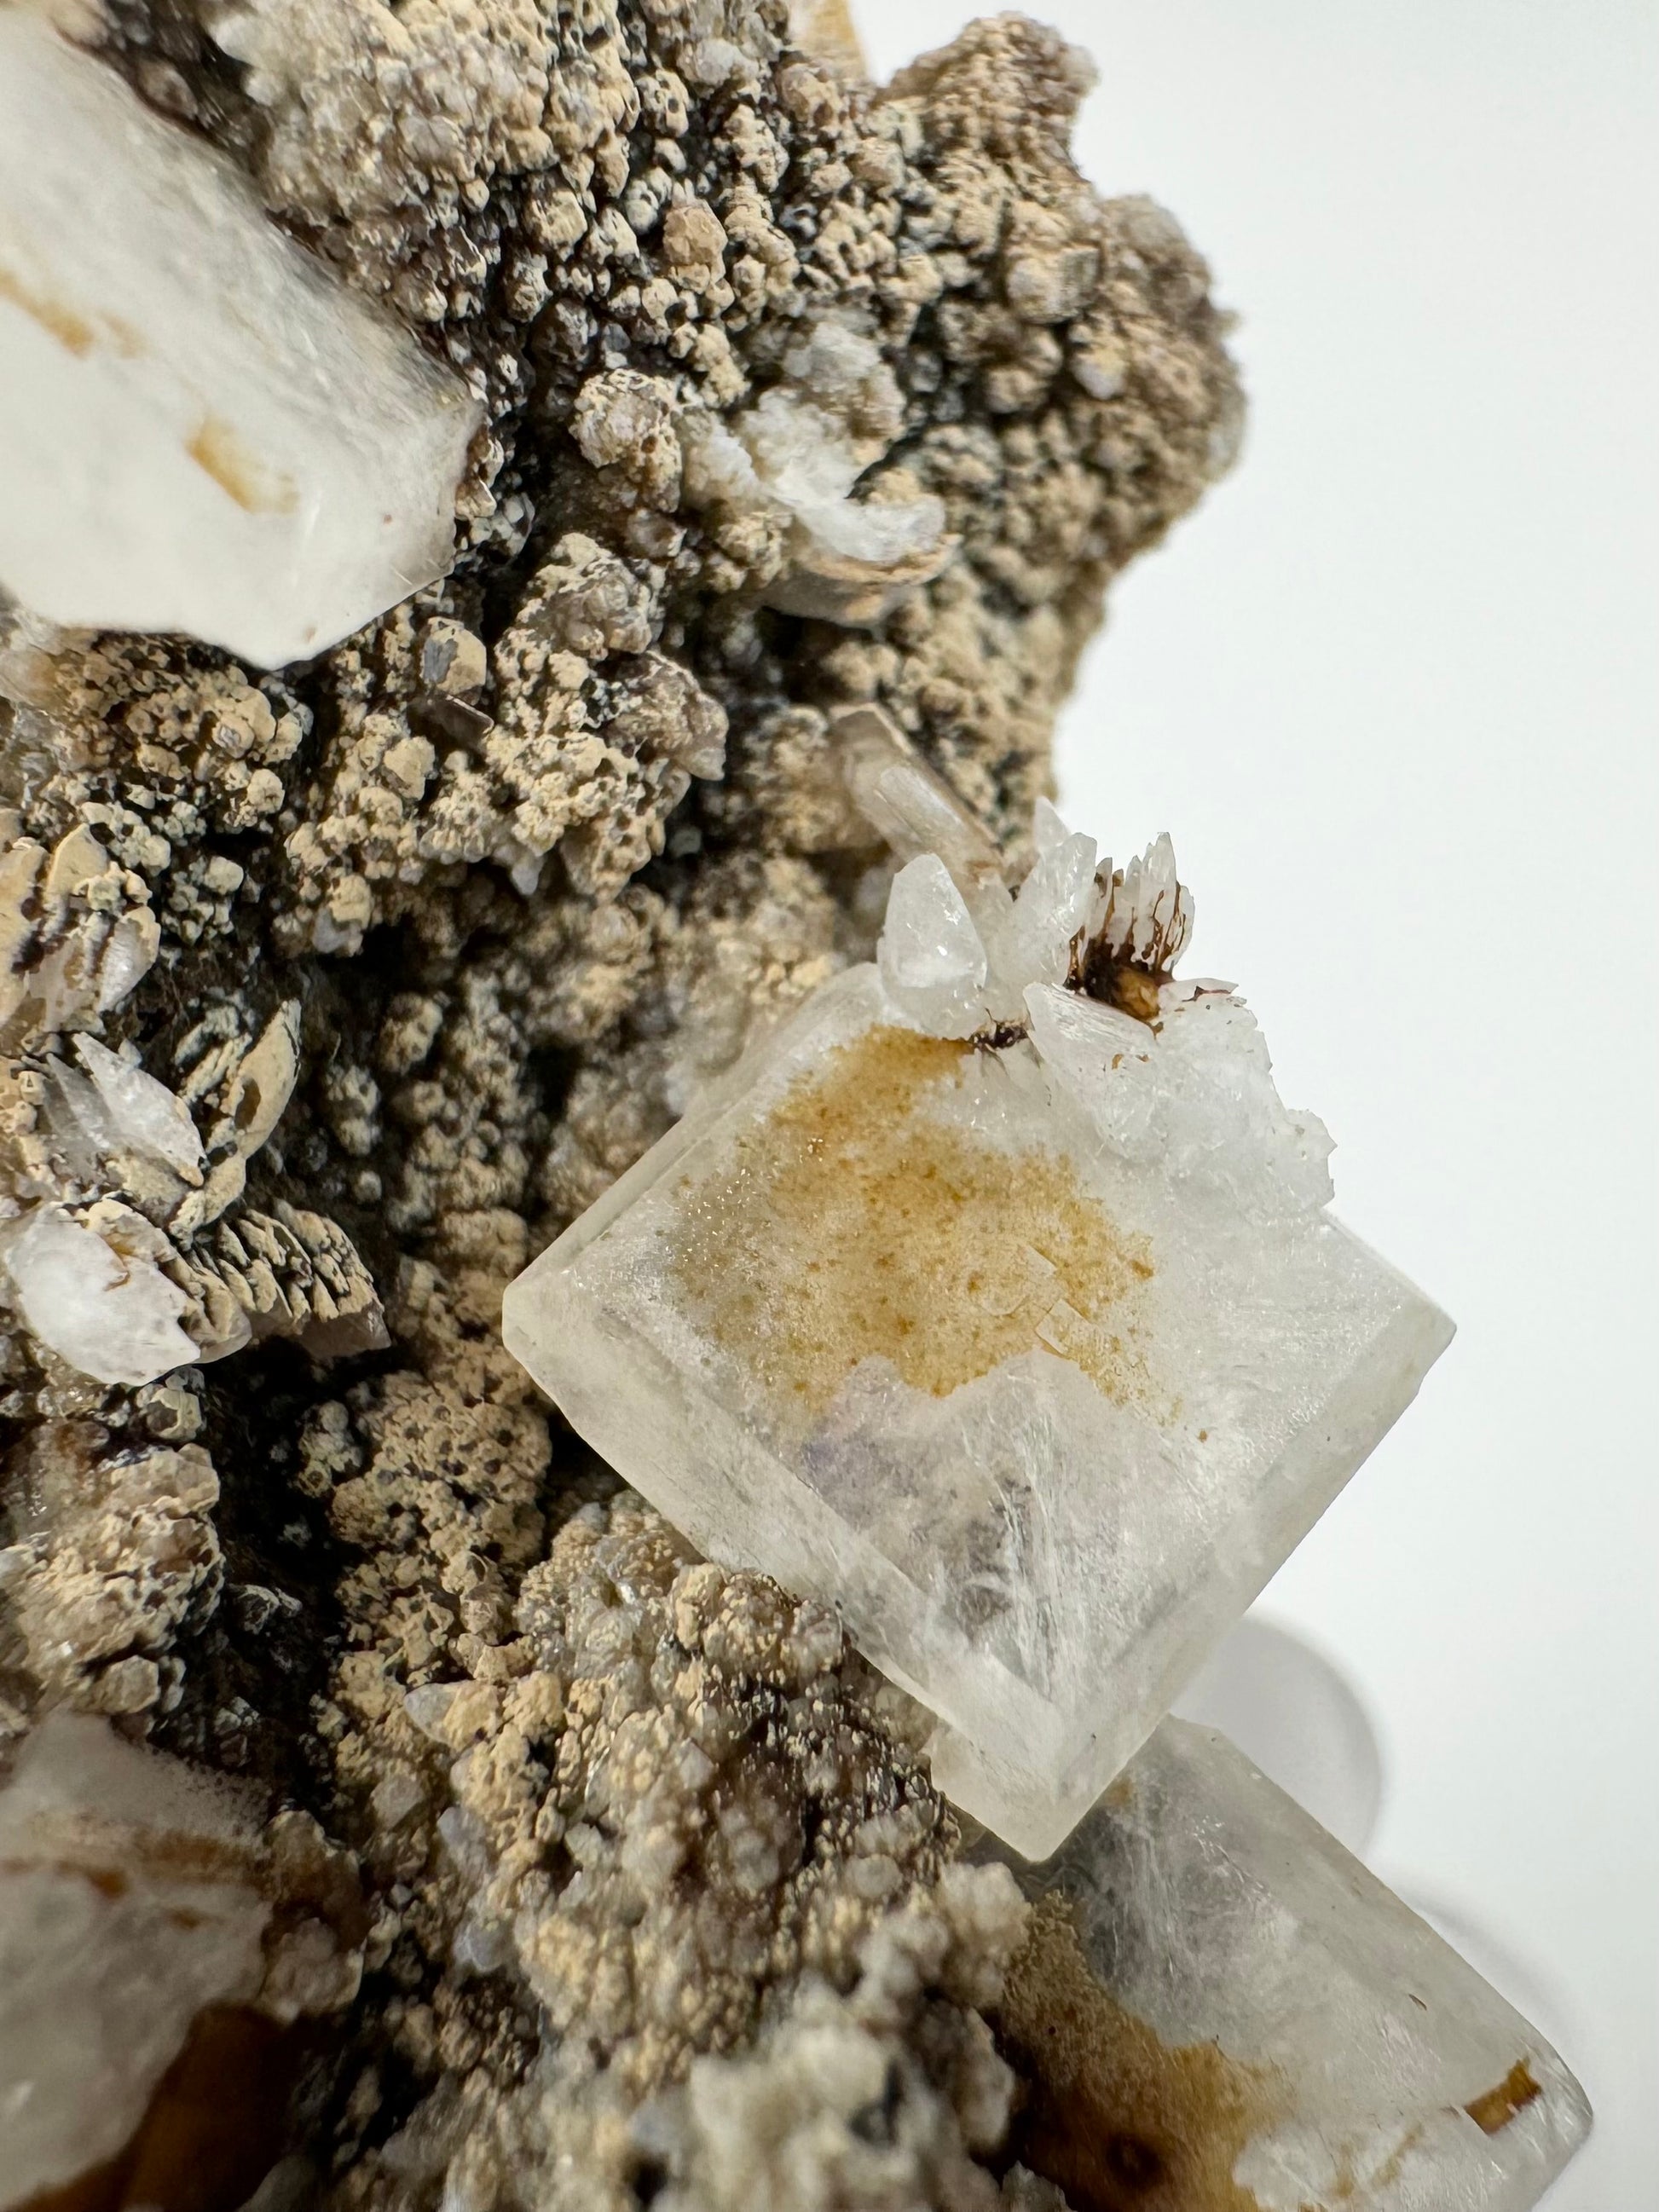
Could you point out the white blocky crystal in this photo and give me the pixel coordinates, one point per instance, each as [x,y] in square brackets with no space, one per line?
[200,429]
[1221,1999]
[799,453]
[128,1903]
[1006,1321]
[112,1313]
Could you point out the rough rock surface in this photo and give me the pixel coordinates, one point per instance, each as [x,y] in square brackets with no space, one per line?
[799,394]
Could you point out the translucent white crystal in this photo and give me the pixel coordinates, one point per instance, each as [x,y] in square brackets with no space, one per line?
[112,1314]
[931,955]
[1272,2015]
[200,430]
[911,807]
[1009,1357]
[958,962]
[1049,909]
[1143,914]
[1196,1094]
[143,1115]
[127,1905]
[801,458]
[1048,826]
[799,453]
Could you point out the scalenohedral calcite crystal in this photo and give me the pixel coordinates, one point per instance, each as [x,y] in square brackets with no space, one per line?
[583,1872]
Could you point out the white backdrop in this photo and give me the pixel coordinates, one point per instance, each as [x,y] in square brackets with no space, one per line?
[1392,689]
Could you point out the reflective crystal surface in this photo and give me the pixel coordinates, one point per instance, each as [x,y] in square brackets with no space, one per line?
[200,429]
[128,1904]
[1218,1999]
[1005,1320]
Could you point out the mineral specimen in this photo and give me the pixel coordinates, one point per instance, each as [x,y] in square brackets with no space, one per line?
[1226,2013]
[200,429]
[993,1301]
[426,938]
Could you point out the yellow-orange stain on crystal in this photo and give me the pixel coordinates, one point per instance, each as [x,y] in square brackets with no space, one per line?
[858,1222]
[1118,2119]
[222,453]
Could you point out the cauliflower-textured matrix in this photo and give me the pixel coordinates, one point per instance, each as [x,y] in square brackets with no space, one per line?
[329,994]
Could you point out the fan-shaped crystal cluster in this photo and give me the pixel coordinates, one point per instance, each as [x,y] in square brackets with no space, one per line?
[993,1300]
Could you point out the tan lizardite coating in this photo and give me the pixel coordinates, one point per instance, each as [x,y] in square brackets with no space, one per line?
[799,394]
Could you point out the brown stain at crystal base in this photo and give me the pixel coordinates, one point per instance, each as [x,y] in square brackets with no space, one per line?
[1496,2107]
[856,1224]
[219,450]
[213,2127]
[56,318]
[1117,2119]
[67,324]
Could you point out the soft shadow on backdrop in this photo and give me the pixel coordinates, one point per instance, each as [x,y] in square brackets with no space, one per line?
[1393,691]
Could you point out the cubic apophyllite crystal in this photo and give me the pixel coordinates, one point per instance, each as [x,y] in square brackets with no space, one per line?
[992,1299]
[200,429]
[1219,2002]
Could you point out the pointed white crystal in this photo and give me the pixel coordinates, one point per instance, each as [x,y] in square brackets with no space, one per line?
[919,815]
[1258,2010]
[144,1115]
[1050,908]
[200,430]
[1048,826]
[112,1314]
[1144,914]
[907,803]
[127,1905]
[931,955]
[1037,1368]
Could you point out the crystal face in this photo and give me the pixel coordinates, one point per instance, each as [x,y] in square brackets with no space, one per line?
[1006,1321]
[1218,1996]
[200,429]
[128,1903]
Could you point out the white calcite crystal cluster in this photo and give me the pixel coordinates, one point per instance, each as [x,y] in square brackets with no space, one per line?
[200,429]
[1232,2010]
[992,1299]
[123,1248]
